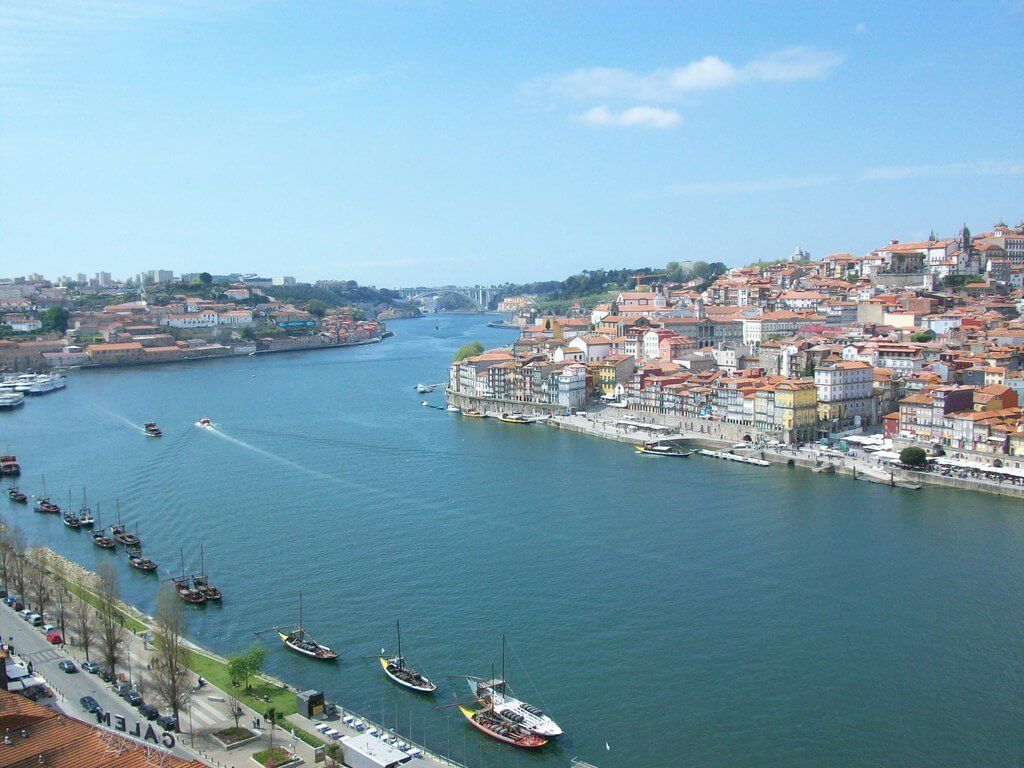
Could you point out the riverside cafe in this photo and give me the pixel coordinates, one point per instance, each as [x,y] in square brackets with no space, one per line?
[965,468]
[17,678]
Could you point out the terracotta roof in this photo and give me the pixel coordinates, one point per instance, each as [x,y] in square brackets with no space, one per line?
[53,739]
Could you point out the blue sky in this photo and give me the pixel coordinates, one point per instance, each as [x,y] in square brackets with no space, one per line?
[432,142]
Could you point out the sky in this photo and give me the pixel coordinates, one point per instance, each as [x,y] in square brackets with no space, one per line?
[428,143]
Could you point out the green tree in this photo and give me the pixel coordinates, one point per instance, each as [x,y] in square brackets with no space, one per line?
[317,307]
[923,336]
[247,664]
[55,319]
[205,278]
[913,456]
[468,350]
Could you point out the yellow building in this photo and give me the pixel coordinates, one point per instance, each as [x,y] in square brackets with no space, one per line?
[613,371]
[789,409]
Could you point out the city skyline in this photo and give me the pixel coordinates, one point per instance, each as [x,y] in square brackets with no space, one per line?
[405,144]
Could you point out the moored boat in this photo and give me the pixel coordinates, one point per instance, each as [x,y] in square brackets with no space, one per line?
[472,413]
[152,430]
[11,400]
[71,520]
[298,640]
[655,449]
[136,560]
[17,496]
[513,418]
[9,465]
[84,513]
[201,583]
[100,538]
[486,721]
[183,586]
[44,505]
[395,667]
[496,694]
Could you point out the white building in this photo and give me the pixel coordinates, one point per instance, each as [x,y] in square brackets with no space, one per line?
[205,319]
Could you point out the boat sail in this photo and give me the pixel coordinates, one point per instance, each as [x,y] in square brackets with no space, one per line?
[297,639]
[496,694]
[395,668]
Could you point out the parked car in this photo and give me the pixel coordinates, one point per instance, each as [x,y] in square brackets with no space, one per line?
[133,698]
[54,637]
[122,687]
[89,704]
[10,599]
[15,603]
[91,667]
[35,620]
[68,666]
[148,711]
[48,628]
[166,722]
[3,593]
[25,613]
[106,675]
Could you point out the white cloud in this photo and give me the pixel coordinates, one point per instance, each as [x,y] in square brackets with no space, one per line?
[861,28]
[978,168]
[647,117]
[670,84]
[876,174]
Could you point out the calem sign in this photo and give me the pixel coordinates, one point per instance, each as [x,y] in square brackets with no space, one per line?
[119,723]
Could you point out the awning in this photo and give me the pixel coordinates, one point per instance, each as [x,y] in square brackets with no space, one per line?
[23,683]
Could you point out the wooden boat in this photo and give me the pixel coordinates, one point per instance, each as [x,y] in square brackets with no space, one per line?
[496,694]
[16,496]
[84,513]
[9,465]
[72,520]
[297,639]
[183,586]
[513,418]
[44,505]
[203,584]
[120,532]
[136,560]
[486,721]
[395,668]
[152,430]
[654,449]
[472,413]
[100,538]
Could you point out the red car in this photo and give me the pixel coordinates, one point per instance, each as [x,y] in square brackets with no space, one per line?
[55,638]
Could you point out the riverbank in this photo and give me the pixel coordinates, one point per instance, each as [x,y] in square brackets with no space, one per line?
[264,694]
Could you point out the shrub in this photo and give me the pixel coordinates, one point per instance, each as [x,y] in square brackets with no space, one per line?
[913,457]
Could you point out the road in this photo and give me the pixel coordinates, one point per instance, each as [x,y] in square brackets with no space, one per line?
[30,645]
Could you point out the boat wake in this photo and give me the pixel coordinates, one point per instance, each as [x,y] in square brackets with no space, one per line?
[274,457]
[127,422]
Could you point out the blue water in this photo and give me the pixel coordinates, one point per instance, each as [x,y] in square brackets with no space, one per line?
[688,613]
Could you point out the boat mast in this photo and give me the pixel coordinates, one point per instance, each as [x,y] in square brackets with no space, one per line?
[398,629]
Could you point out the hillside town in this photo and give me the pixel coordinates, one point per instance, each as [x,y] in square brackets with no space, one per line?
[155,318]
[920,342]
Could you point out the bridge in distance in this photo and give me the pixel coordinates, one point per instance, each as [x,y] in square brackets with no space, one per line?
[478,295]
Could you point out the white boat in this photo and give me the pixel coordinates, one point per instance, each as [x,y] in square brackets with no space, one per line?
[495,693]
[452,409]
[205,423]
[11,400]
[44,384]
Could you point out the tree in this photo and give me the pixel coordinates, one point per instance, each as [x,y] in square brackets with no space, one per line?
[112,635]
[913,457]
[205,278]
[6,557]
[19,560]
[55,319]
[468,350]
[246,665]
[39,584]
[170,655]
[317,307]
[83,624]
[923,337]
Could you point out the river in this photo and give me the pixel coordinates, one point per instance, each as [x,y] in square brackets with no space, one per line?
[685,613]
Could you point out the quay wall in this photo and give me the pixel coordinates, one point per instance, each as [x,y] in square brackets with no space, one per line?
[484,404]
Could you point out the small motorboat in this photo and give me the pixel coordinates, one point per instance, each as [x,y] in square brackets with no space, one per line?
[299,640]
[136,560]
[472,413]
[71,520]
[655,449]
[395,667]
[486,721]
[16,496]
[152,430]
[205,423]
[452,409]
